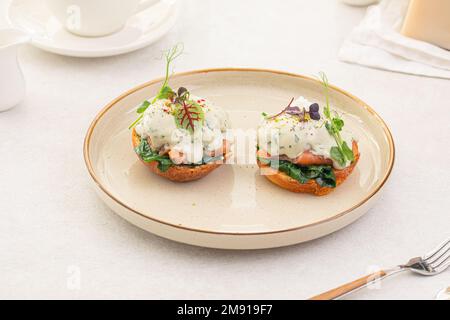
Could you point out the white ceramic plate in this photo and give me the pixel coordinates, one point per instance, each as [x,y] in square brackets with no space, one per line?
[235,207]
[48,34]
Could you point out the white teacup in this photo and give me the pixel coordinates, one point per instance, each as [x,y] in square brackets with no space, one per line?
[96,18]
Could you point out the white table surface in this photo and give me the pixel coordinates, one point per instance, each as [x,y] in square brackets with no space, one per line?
[53,225]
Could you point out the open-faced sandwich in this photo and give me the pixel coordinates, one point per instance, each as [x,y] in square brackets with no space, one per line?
[180,136]
[305,148]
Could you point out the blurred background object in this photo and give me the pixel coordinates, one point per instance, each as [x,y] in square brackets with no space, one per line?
[96,18]
[359,2]
[378,42]
[429,20]
[444,294]
[12,82]
[120,27]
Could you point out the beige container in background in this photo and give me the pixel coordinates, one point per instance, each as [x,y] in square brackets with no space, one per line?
[429,20]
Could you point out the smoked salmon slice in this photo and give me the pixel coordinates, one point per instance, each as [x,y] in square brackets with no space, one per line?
[305,159]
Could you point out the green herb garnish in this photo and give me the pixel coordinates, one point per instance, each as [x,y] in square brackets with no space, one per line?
[334,124]
[148,155]
[143,107]
[188,114]
[323,175]
[165,92]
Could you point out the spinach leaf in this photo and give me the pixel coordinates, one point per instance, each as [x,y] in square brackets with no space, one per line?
[323,175]
[164,164]
[293,171]
[148,155]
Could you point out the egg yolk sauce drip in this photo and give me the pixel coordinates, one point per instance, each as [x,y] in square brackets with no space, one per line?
[307,143]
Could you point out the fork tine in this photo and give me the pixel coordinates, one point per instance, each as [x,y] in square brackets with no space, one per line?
[440,261]
[439,257]
[436,251]
[442,266]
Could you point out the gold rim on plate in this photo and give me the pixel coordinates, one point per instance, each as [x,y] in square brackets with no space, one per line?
[91,129]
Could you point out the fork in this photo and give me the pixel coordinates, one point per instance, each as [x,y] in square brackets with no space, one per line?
[430,264]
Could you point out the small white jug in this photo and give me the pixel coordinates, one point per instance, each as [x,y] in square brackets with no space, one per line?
[12,82]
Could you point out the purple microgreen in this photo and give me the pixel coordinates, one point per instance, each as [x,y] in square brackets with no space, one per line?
[292,110]
[314,107]
[295,111]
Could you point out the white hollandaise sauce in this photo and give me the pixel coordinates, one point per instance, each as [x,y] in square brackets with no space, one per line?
[286,135]
[159,124]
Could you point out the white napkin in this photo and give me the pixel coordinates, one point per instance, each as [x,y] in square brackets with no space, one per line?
[377,43]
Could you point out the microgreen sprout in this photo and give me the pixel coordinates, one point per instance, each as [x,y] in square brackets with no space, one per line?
[165,92]
[334,124]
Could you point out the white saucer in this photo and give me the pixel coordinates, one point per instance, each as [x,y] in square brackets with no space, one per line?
[48,34]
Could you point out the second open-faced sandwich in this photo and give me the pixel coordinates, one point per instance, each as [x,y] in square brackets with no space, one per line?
[305,148]
[180,136]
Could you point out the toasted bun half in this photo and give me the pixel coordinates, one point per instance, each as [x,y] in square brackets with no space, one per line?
[284,181]
[178,173]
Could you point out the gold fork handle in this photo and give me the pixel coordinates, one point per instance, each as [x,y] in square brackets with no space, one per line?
[351,286]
